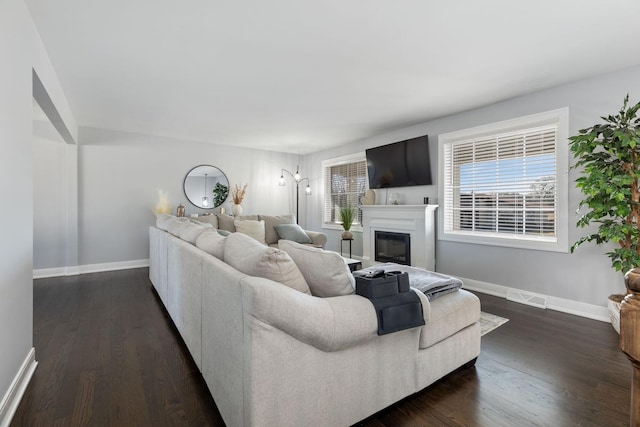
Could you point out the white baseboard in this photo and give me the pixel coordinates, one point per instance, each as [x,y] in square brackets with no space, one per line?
[89,268]
[590,311]
[16,390]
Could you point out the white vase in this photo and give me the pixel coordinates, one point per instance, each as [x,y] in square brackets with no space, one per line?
[236,210]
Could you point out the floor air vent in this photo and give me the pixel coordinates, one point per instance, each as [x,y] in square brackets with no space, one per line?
[527,298]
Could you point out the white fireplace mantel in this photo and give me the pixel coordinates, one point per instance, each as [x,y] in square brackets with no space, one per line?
[416,220]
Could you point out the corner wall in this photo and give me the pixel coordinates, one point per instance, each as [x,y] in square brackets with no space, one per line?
[120,174]
[21,53]
[585,276]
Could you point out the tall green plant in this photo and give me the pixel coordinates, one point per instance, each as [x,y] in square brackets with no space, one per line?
[608,154]
[346,216]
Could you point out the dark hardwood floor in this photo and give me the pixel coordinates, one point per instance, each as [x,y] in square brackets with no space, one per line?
[109,356]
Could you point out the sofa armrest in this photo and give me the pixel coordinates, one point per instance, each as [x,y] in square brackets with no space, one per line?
[318,238]
[329,324]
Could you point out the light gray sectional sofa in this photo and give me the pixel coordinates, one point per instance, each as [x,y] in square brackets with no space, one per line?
[274,354]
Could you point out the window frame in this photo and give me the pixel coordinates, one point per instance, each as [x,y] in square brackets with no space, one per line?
[337,161]
[561,243]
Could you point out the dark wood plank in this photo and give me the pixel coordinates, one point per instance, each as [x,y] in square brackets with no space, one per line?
[109,355]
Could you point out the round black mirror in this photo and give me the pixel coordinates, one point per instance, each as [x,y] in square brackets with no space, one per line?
[206,187]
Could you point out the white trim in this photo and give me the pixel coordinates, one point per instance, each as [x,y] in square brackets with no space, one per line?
[590,311]
[89,268]
[560,116]
[16,390]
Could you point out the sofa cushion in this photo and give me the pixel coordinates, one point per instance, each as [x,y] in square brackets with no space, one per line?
[326,272]
[207,219]
[190,232]
[270,221]
[292,232]
[255,259]
[212,243]
[176,225]
[251,228]
[225,222]
[163,221]
[450,313]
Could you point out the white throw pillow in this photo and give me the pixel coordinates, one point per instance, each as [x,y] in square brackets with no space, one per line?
[191,231]
[253,229]
[326,272]
[255,259]
[212,243]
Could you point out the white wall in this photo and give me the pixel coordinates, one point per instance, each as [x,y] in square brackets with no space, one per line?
[21,53]
[16,245]
[120,175]
[49,197]
[584,276]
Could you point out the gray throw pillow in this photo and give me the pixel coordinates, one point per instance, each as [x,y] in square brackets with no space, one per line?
[292,232]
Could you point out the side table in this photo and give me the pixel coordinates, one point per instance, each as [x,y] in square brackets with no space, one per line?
[341,245]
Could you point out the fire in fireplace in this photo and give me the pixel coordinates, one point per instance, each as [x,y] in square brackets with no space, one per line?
[393,247]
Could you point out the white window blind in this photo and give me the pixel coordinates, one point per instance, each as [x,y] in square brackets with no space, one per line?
[345,181]
[505,185]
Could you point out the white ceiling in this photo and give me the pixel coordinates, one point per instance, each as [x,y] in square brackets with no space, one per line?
[299,76]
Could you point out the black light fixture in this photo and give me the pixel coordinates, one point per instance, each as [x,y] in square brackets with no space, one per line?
[205,199]
[298,179]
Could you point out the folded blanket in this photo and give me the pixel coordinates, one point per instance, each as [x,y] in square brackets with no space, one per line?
[432,284]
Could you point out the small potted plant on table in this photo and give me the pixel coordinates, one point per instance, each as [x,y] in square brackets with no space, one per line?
[346,216]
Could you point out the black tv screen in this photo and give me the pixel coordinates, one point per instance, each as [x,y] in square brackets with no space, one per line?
[401,164]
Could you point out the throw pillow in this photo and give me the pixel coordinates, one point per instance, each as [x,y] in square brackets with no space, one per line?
[255,259]
[207,219]
[190,232]
[326,272]
[292,232]
[212,243]
[253,229]
[270,233]
[225,222]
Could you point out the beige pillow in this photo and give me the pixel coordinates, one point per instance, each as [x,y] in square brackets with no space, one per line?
[191,231]
[270,233]
[212,243]
[326,272]
[253,229]
[255,259]
[225,222]
[207,219]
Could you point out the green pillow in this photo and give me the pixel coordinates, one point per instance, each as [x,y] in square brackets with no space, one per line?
[292,232]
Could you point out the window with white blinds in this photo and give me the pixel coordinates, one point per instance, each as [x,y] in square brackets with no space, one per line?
[507,186]
[345,181]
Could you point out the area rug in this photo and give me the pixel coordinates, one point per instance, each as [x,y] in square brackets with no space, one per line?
[489,322]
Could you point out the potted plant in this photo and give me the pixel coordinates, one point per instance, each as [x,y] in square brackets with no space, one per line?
[346,216]
[609,155]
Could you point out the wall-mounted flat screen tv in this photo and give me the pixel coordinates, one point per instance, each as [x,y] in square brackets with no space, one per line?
[401,164]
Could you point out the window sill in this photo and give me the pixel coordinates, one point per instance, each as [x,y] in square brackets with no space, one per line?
[354,229]
[508,242]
